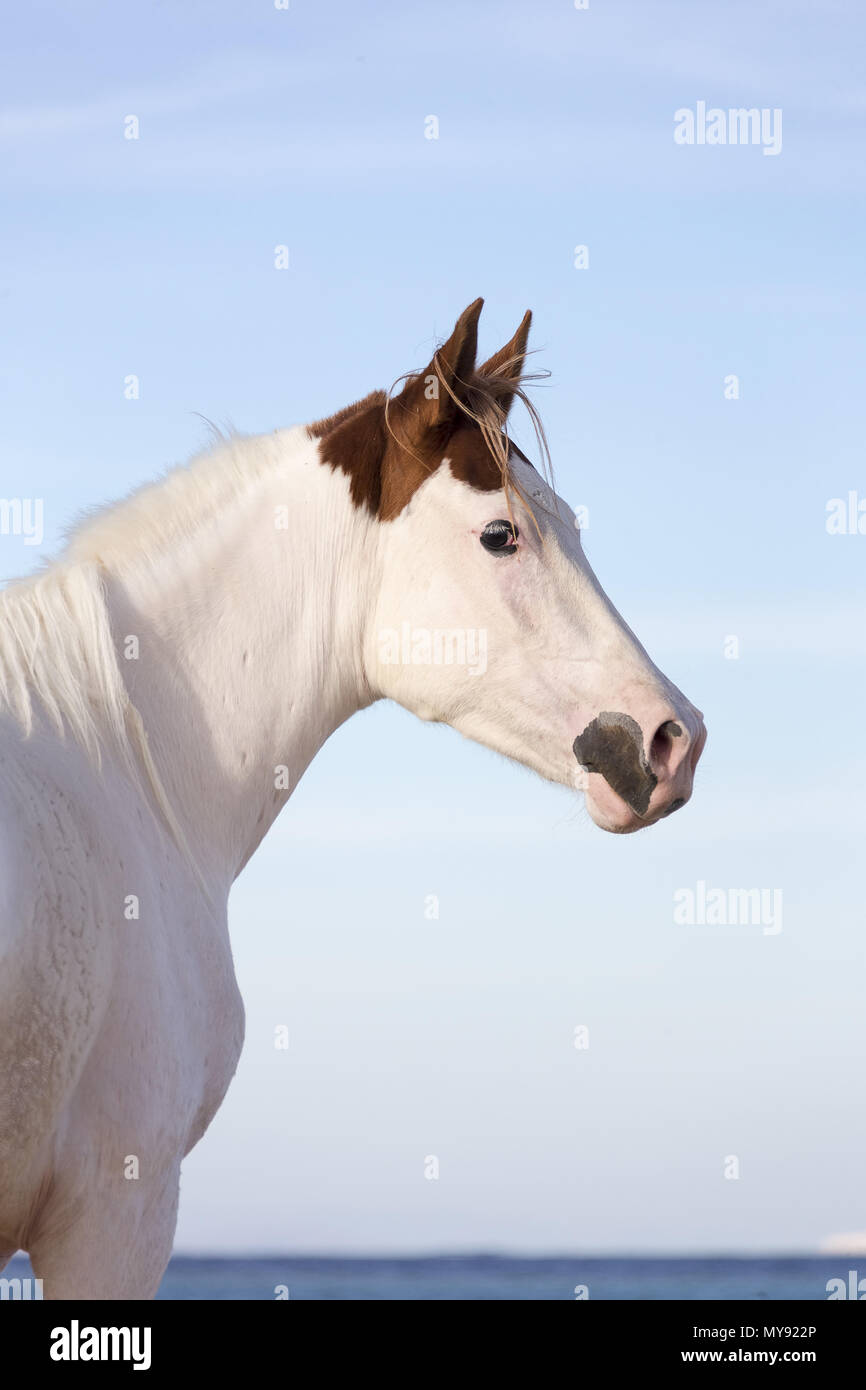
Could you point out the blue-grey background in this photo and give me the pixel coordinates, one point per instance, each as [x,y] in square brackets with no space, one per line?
[453,1037]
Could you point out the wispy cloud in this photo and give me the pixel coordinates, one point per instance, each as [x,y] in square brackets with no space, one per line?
[214,84]
[321,111]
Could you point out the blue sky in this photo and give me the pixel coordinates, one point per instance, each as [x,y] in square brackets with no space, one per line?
[410,1037]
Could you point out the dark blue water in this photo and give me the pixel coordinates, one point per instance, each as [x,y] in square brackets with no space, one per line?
[496,1278]
[489,1277]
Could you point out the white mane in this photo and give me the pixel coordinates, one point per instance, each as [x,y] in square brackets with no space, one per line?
[56,645]
[57,650]
[157,515]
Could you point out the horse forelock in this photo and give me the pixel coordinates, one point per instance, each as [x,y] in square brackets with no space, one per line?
[368,441]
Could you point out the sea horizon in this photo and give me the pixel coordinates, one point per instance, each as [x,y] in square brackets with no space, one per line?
[502,1276]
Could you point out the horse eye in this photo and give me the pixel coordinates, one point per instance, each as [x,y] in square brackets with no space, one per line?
[499,537]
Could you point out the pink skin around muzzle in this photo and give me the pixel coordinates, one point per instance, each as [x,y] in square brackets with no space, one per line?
[634,773]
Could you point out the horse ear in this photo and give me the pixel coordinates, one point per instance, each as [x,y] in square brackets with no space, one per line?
[427,401]
[508,362]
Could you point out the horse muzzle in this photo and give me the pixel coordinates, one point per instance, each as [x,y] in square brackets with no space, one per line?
[637,773]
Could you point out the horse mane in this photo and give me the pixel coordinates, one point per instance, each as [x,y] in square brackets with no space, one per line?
[154,517]
[56,647]
[56,644]
[57,650]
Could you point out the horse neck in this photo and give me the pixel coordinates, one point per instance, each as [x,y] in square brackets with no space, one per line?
[251,638]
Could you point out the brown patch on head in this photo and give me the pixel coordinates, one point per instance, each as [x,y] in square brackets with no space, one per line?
[330,422]
[384,475]
[389,447]
[355,440]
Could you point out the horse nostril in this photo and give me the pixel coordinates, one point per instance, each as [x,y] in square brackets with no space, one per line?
[664,743]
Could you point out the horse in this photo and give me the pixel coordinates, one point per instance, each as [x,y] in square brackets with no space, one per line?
[163,686]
